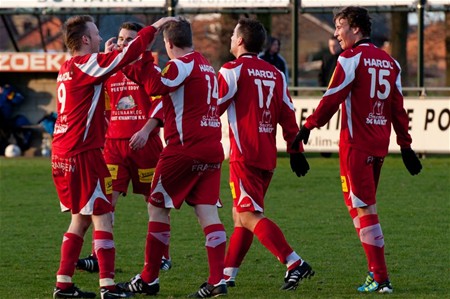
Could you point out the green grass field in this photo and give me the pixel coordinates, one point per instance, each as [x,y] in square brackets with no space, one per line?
[414,214]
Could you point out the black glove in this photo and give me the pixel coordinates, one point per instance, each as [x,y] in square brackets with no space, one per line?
[299,165]
[303,134]
[411,161]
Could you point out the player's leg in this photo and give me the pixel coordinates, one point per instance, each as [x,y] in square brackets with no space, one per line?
[240,241]
[201,189]
[105,251]
[67,175]
[142,164]
[98,186]
[158,234]
[104,248]
[158,238]
[353,212]
[70,251]
[215,244]
[363,174]
[90,263]
[372,240]
[114,153]
[253,184]
[271,237]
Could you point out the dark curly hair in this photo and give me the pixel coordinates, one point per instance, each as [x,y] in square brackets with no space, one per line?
[356,17]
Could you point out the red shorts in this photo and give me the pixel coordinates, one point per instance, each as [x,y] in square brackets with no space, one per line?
[126,164]
[248,186]
[179,178]
[360,173]
[83,183]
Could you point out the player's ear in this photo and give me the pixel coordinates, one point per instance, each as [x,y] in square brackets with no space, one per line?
[85,39]
[355,30]
[240,41]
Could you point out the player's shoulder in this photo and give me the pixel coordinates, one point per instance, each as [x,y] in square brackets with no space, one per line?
[185,61]
[373,52]
[232,64]
[189,57]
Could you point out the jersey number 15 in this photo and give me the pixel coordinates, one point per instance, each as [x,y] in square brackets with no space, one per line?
[375,86]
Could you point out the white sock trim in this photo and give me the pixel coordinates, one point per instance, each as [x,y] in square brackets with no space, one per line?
[106,282]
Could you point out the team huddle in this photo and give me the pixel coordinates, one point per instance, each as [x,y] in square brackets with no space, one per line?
[112,104]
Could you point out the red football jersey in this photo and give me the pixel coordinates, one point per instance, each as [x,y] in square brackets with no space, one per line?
[129,107]
[191,118]
[256,98]
[81,101]
[367,82]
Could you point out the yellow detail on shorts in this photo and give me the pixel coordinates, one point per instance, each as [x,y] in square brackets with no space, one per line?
[108,185]
[344,183]
[146,175]
[113,170]
[233,191]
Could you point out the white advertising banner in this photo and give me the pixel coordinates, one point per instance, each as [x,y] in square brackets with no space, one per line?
[429,127]
[31,62]
[231,3]
[36,61]
[80,3]
[342,3]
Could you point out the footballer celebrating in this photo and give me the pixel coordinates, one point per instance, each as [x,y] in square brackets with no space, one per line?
[82,180]
[366,82]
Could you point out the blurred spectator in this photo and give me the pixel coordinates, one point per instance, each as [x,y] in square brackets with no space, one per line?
[9,99]
[273,56]
[48,122]
[329,61]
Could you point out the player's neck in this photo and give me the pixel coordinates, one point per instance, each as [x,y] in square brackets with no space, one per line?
[81,52]
[360,41]
[242,51]
[178,52]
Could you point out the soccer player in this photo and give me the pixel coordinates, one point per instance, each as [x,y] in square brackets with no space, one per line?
[189,166]
[132,144]
[256,98]
[82,180]
[367,83]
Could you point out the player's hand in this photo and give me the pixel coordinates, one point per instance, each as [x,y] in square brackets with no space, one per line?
[411,161]
[138,140]
[299,165]
[110,45]
[158,24]
[303,134]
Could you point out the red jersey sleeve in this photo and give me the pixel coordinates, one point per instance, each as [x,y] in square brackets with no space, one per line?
[400,121]
[338,89]
[287,120]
